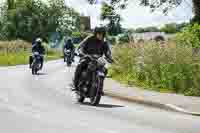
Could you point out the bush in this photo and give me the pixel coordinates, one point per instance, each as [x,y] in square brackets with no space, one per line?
[124,39]
[190,36]
[112,40]
[168,68]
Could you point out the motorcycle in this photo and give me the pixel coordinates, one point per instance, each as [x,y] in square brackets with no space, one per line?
[68,57]
[92,80]
[36,65]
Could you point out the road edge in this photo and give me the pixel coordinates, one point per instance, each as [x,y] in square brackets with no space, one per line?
[169,107]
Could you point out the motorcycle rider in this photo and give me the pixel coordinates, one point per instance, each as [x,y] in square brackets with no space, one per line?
[69,46]
[37,47]
[92,45]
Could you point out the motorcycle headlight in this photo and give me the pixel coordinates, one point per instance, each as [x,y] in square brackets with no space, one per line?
[36,53]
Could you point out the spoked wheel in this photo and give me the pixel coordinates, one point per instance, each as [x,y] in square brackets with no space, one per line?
[80,99]
[33,71]
[68,61]
[95,99]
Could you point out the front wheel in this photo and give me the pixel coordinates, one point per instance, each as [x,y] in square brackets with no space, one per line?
[34,68]
[95,100]
[68,61]
[80,99]
[33,72]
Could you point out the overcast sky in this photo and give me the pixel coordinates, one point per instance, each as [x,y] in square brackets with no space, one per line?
[135,15]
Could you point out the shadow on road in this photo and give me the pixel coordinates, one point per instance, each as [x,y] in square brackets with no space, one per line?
[41,73]
[104,105]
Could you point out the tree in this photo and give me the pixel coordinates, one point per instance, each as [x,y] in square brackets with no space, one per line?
[170,28]
[147,29]
[140,30]
[11,4]
[164,5]
[32,18]
[152,29]
[108,12]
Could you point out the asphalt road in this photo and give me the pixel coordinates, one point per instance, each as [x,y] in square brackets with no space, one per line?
[44,104]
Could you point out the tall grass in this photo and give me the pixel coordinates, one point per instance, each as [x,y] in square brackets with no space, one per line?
[162,67]
[18,52]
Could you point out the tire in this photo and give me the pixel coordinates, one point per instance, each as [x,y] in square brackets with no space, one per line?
[80,99]
[34,69]
[68,61]
[96,99]
[33,72]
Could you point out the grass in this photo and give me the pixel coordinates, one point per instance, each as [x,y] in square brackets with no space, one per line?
[164,68]
[17,53]
[14,59]
[21,58]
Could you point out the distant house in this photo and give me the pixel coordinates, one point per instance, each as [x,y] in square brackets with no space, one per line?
[136,37]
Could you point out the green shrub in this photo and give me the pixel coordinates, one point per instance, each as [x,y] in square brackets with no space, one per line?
[124,39]
[190,36]
[112,40]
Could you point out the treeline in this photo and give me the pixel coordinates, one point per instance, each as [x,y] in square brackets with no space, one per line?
[167,28]
[29,19]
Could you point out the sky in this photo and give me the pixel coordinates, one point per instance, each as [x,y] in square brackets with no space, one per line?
[135,15]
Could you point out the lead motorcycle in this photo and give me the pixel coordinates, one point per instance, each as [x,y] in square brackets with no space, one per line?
[68,57]
[91,80]
[36,65]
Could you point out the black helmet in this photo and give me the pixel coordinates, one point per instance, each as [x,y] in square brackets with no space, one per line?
[69,40]
[100,30]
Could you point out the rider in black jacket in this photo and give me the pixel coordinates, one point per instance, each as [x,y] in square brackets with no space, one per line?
[92,45]
[69,46]
[37,47]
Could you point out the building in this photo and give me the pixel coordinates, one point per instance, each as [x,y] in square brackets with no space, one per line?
[85,23]
[149,36]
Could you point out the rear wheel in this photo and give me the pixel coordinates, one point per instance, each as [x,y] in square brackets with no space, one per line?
[34,68]
[95,100]
[68,61]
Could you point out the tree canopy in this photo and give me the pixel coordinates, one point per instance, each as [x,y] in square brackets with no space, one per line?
[164,5]
[27,19]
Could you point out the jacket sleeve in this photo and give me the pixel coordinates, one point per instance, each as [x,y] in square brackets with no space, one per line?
[107,52]
[33,48]
[82,46]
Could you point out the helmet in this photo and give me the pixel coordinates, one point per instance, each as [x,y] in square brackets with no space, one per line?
[38,40]
[69,40]
[100,30]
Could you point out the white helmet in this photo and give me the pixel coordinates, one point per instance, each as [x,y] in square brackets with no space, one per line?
[39,40]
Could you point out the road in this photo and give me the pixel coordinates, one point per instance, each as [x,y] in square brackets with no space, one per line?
[44,104]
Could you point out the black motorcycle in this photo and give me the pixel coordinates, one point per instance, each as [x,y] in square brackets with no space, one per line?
[91,80]
[36,65]
[68,57]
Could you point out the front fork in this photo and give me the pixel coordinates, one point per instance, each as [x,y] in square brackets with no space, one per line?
[97,82]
